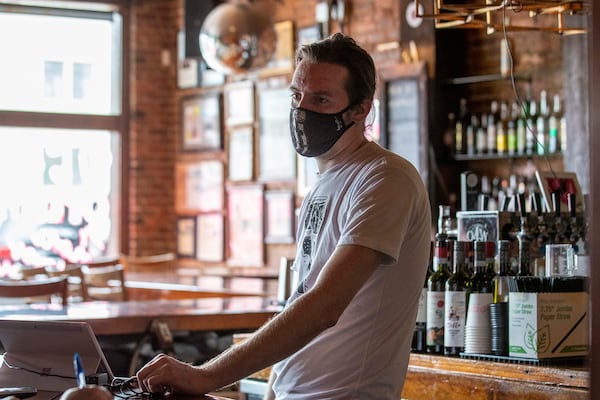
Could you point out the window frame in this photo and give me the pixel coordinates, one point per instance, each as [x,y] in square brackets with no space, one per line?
[117,122]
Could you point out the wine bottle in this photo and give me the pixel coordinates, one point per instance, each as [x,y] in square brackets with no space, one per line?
[500,281]
[490,259]
[419,342]
[499,306]
[524,266]
[481,282]
[469,257]
[477,330]
[457,287]
[435,297]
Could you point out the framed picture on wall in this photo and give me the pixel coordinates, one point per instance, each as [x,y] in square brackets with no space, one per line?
[308,34]
[210,236]
[186,237]
[199,186]
[240,152]
[239,103]
[279,216]
[245,225]
[201,122]
[403,111]
[277,157]
[282,61]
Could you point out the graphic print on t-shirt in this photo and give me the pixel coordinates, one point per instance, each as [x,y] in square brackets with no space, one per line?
[313,220]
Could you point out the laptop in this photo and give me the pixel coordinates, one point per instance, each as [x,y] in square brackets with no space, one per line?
[40,354]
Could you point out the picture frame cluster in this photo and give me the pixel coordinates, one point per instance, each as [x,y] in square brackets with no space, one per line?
[238,178]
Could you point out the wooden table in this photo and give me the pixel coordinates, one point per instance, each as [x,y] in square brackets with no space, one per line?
[156,290]
[135,317]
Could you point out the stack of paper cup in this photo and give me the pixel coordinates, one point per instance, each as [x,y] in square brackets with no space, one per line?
[477,327]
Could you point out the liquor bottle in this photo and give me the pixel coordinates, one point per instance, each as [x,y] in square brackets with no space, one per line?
[542,124]
[471,131]
[455,300]
[524,266]
[436,286]
[450,133]
[501,128]
[531,125]
[477,330]
[562,131]
[554,125]
[493,118]
[462,122]
[419,342]
[522,128]
[511,131]
[481,135]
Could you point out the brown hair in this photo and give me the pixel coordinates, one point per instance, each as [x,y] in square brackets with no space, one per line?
[342,50]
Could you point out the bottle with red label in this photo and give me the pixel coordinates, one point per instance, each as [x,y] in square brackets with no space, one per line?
[436,297]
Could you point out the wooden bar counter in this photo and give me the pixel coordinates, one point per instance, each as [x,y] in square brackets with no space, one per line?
[449,378]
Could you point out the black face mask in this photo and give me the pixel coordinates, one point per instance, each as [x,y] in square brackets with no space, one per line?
[314,133]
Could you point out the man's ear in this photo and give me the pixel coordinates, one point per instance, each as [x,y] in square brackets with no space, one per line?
[362,109]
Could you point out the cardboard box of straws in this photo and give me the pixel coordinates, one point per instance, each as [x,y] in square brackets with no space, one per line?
[548,325]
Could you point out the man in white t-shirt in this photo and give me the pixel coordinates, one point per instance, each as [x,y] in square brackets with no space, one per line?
[363,241]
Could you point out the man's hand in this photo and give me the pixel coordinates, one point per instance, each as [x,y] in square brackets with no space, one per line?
[165,374]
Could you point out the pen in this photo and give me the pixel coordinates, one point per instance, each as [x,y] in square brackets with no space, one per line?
[79,372]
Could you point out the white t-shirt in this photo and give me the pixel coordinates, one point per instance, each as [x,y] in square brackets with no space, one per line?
[374,199]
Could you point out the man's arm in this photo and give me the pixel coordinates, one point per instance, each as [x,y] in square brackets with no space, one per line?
[344,274]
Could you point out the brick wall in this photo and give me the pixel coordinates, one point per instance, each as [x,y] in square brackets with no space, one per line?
[155,100]
[153,126]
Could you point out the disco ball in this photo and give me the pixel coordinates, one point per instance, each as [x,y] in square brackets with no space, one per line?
[237,38]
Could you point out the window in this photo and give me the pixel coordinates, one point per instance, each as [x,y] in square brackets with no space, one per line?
[60,141]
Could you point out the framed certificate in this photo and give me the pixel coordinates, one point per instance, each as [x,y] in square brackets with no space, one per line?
[201,122]
[245,225]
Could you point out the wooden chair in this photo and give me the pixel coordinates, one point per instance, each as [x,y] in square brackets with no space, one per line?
[164,262]
[33,273]
[104,283]
[37,290]
[75,277]
[105,262]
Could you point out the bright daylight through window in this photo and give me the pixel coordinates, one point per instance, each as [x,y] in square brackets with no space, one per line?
[60,187]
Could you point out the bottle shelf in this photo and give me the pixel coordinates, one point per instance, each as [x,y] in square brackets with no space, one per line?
[467,80]
[488,157]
